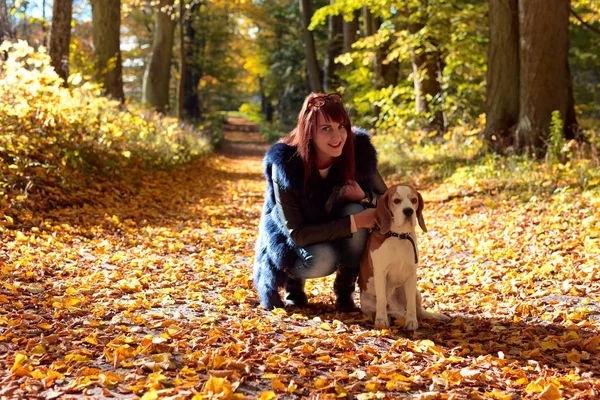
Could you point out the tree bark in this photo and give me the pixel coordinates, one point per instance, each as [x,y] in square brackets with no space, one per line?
[350,32]
[60,37]
[6,31]
[182,61]
[502,95]
[335,38]
[158,70]
[312,64]
[191,60]
[106,21]
[544,76]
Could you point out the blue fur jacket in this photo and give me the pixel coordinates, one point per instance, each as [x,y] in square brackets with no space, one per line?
[275,248]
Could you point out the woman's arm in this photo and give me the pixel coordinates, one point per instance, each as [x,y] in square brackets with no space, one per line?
[379,188]
[304,234]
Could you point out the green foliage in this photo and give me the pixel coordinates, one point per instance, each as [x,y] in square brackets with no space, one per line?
[556,139]
[584,59]
[271,131]
[458,161]
[458,32]
[53,137]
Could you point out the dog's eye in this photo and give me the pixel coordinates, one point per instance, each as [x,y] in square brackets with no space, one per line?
[414,200]
[397,201]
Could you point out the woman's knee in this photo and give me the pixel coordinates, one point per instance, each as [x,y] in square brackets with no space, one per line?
[316,261]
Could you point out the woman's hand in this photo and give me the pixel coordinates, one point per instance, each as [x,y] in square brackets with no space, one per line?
[353,191]
[365,218]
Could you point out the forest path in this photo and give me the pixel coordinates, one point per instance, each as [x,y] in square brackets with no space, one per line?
[148,292]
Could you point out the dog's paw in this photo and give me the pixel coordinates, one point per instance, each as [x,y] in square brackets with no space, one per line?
[411,324]
[382,322]
[444,317]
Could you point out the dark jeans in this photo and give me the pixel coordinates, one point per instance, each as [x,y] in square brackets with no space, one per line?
[323,259]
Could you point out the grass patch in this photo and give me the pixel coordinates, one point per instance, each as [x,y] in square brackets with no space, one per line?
[458,164]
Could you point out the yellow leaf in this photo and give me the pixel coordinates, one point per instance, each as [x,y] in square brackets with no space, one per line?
[19,360]
[269,395]
[549,345]
[278,386]
[150,395]
[574,356]
[325,326]
[550,392]
[498,395]
[321,383]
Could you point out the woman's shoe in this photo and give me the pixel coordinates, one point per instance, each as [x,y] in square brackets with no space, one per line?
[343,286]
[294,293]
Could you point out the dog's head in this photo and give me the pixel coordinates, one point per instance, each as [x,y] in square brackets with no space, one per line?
[401,206]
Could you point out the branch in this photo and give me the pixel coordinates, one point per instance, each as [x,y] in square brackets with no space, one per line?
[587,25]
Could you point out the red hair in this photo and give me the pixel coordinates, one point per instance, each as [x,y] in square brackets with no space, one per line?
[308,125]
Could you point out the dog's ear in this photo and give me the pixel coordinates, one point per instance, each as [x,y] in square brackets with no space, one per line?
[383,215]
[420,212]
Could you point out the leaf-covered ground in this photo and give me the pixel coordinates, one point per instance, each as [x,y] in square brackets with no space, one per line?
[147,293]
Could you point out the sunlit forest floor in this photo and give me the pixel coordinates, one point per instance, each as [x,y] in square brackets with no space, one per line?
[148,292]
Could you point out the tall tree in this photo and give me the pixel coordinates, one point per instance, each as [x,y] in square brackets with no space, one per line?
[158,70]
[312,64]
[106,20]
[528,73]
[335,44]
[193,43]
[350,29]
[60,37]
[6,28]
[182,62]
[544,75]
[426,63]
[502,95]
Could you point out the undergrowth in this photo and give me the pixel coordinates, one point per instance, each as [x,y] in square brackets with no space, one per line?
[54,142]
[458,162]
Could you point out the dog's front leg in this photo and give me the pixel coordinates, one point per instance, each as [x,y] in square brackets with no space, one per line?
[381,317]
[410,290]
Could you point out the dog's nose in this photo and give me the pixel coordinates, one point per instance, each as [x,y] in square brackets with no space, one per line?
[408,211]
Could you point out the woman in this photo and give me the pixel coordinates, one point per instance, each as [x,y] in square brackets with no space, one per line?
[322,186]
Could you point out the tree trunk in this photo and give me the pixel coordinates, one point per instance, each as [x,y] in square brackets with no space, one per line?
[182,61]
[158,70]
[350,32]
[544,76]
[6,31]
[502,95]
[106,22]
[425,76]
[335,39]
[191,71]
[312,64]
[60,37]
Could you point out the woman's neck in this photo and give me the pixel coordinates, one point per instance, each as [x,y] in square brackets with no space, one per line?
[324,161]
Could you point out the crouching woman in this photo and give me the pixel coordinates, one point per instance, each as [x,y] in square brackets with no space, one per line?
[322,185]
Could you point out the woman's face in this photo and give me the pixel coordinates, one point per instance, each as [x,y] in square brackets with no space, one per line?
[329,141]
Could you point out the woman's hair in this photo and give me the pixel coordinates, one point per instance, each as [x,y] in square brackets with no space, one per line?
[308,125]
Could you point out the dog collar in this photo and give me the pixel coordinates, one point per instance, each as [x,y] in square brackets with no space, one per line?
[407,237]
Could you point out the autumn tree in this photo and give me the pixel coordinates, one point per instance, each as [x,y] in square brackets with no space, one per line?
[158,70]
[60,37]
[335,43]
[106,20]
[528,74]
[427,68]
[312,63]
[6,30]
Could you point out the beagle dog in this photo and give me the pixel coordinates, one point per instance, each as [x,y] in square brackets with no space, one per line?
[388,268]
